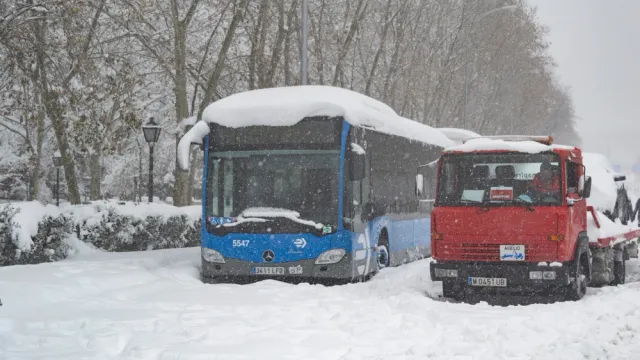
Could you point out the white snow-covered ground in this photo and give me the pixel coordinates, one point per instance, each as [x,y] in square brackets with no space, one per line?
[152,305]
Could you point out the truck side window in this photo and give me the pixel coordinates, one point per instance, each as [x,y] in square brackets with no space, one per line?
[572,177]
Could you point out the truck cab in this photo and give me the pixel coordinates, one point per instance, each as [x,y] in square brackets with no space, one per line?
[510,215]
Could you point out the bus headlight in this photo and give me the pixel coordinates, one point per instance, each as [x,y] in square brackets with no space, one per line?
[330,257]
[212,256]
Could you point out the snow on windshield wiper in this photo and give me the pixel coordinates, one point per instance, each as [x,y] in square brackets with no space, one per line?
[241,220]
[260,213]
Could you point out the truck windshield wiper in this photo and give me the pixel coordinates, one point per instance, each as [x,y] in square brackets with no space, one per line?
[528,205]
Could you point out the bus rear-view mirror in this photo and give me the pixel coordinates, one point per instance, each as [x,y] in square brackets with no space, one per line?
[620,178]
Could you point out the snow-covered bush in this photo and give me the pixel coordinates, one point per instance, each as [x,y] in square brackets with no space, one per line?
[42,239]
[31,232]
[112,229]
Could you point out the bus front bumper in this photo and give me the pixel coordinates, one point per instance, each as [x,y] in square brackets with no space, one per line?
[243,272]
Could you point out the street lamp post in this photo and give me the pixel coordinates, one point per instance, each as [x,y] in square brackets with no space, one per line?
[466,58]
[304,34]
[57,162]
[151,131]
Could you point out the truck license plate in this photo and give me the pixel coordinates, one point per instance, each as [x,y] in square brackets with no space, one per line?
[479,281]
[268,270]
[512,253]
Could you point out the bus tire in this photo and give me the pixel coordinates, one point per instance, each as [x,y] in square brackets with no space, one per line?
[383,258]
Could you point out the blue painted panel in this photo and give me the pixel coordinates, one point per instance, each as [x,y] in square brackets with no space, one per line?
[287,247]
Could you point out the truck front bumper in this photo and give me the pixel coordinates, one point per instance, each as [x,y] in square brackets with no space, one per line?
[459,275]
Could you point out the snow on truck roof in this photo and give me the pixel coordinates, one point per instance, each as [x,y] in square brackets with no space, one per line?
[286,106]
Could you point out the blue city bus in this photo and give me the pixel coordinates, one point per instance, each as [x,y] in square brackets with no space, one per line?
[319,201]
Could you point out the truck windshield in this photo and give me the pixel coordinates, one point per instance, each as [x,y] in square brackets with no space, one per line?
[505,179]
[301,181]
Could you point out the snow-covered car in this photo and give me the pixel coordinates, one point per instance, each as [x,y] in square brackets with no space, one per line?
[608,192]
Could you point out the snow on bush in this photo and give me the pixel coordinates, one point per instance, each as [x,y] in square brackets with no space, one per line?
[31,232]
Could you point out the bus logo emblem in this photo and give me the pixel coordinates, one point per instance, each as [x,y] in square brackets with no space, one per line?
[300,243]
[268,255]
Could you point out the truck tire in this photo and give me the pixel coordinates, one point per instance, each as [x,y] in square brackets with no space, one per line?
[619,273]
[577,289]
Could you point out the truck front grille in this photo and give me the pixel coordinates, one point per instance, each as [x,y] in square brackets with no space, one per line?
[467,251]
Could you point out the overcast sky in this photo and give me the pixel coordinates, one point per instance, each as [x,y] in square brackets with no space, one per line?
[596,44]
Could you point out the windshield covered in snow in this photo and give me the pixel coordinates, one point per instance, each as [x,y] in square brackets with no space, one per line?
[302,181]
[275,167]
[505,179]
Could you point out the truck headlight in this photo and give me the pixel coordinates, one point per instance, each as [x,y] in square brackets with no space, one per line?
[212,256]
[535,275]
[331,256]
[446,272]
[549,275]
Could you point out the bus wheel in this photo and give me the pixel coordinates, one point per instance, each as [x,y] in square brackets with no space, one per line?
[383,257]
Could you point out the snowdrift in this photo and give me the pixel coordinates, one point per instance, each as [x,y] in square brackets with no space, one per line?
[31,232]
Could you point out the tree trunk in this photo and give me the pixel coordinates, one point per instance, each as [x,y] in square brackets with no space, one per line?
[346,46]
[181,185]
[212,82]
[53,109]
[95,173]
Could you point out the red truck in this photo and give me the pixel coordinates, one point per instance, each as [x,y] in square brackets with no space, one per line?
[510,217]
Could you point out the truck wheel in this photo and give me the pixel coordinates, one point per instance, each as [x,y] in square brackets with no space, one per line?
[619,273]
[577,289]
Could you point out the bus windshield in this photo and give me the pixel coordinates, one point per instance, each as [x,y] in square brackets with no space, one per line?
[303,181]
[504,179]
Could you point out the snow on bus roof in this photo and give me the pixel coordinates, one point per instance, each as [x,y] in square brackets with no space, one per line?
[484,144]
[286,106]
[458,135]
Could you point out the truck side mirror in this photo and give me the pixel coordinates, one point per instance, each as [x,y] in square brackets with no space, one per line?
[620,178]
[356,166]
[419,185]
[586,192]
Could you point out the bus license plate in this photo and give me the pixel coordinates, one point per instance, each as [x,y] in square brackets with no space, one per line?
[268,270]
[479,281]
